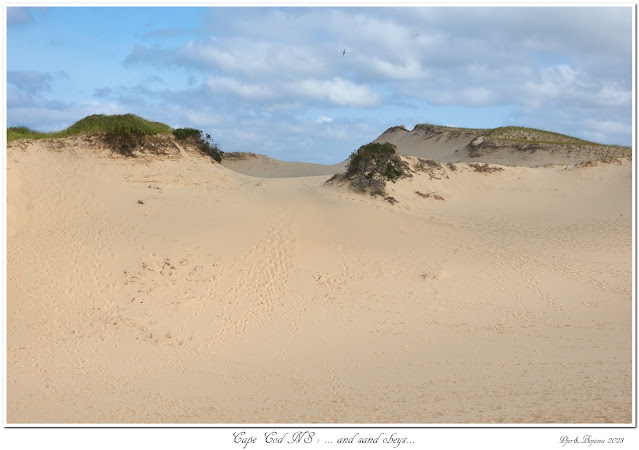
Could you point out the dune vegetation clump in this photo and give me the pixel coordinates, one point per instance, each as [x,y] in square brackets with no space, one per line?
[184,134]
[123,133]
[372,165]
[239,156]
[434,169]
[485,168]
[204,144]
[124,140]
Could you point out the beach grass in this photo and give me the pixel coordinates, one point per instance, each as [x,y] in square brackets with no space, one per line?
[95,124]
[516,134]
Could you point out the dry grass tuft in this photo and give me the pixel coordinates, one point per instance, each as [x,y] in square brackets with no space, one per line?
[485,168]
[430,195]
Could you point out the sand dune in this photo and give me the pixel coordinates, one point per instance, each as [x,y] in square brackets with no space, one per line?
[510,146]
[174,290]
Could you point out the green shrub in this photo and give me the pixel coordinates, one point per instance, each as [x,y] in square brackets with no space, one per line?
[372,165]
[187,133]
[204,144]
[391,172]
[373,158]
[377,160]
[208,147]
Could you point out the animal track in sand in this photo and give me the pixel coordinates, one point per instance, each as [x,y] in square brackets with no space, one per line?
[175,287]
[164,272]
[258,282]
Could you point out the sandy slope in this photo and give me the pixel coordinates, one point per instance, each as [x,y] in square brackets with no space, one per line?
[262,166]
[223,298]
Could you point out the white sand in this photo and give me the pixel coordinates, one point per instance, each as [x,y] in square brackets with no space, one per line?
[225,298]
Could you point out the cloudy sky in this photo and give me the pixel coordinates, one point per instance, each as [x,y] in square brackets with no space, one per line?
[276,81]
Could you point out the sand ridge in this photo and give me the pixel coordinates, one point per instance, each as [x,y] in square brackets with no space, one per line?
[175,290]
[509,146]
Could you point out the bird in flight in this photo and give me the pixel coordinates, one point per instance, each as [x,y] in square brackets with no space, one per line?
[344,52]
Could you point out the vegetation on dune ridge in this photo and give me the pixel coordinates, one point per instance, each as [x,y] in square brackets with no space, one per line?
[95,124]
[429,126]
[15,133]
[536,136]
[122,133]
[514,134]
[98,123]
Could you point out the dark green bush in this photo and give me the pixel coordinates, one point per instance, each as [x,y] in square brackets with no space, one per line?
[204,144]
[376,159]
[372,165]
[211,149]
[187,133]
[391,172]
[371,158]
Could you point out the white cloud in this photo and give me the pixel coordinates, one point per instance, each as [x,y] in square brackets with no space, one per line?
[608,126]
[471,96]
[336,91]
[477,96]
[560,75]
[247,91]
[563,86]
[411,69]
[323,119]
[250,58]
[611,94]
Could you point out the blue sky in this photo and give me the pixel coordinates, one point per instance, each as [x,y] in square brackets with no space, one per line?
[275,81]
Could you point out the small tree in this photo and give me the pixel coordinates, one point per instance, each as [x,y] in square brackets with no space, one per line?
[376,159]
[372,165]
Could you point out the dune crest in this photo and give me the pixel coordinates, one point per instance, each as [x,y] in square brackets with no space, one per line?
[509,146]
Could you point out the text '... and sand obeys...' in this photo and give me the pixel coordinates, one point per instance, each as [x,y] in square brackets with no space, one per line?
[307,437]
